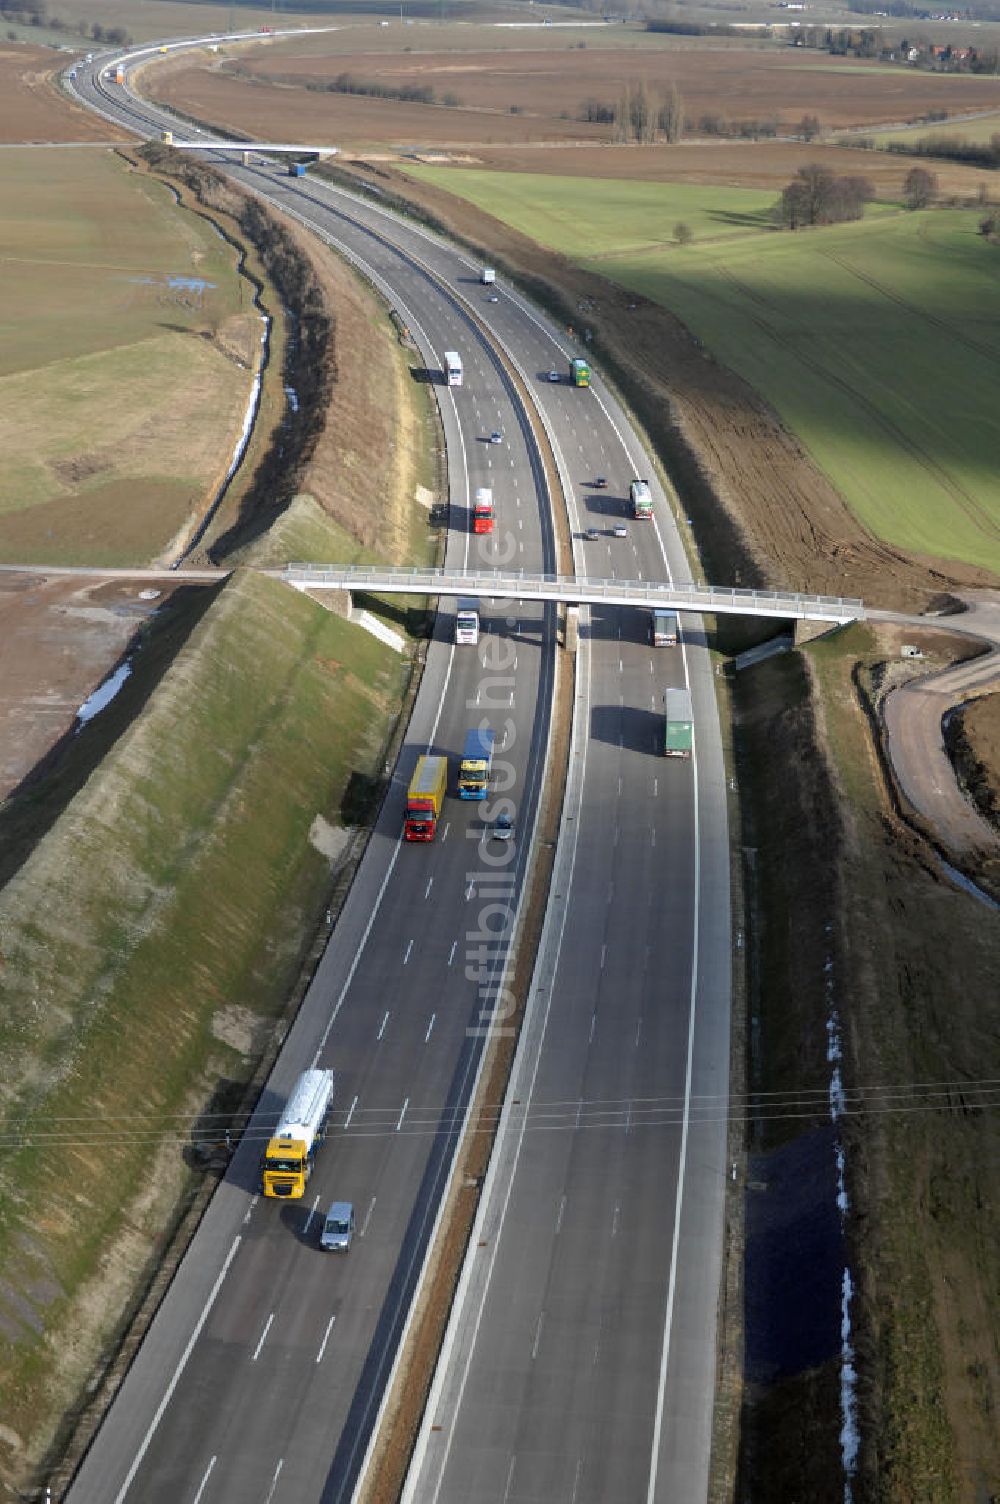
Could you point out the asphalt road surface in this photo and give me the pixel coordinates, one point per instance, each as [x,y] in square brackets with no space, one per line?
[590,1370]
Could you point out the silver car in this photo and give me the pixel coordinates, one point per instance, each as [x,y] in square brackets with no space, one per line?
[338,1228]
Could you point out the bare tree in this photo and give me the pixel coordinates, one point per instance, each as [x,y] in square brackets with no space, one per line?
[919,188]
[671,117]
[682,233]
[623,110]
[808,127]
[815,196]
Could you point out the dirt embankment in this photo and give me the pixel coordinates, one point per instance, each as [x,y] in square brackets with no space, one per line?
[972,736]
[764,514]
[337,438]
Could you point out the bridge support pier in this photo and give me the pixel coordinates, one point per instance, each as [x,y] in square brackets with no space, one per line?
[571,629]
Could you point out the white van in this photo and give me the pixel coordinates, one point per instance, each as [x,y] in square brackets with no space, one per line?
[338,1228]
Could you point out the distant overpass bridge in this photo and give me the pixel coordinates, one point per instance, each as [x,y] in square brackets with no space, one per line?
[260,148]
[574,590]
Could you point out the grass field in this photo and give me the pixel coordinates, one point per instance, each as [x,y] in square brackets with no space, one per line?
[980,129]
[161,972]
[125,363]
[876,342]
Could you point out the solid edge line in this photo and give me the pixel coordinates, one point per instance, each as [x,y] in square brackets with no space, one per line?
[168,1393]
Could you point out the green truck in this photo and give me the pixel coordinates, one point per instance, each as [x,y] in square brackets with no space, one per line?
[579,373]
[679,723]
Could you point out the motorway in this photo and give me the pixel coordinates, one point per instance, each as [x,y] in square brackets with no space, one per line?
[581,1363]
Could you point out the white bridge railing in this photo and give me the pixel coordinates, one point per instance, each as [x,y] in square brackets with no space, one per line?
[574,589]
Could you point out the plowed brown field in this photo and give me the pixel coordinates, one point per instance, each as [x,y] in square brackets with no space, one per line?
[34,108]
[739,82]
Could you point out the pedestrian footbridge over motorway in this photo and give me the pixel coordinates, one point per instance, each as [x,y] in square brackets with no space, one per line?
[574,590]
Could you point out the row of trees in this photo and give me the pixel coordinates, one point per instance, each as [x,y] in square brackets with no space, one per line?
[643,116]
[36,13]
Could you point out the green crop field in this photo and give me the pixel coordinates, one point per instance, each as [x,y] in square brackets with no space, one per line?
[979,129]
[124,366]
[877,342]
[608,217]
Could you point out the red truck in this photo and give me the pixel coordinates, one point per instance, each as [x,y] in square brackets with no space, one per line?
[424,798]
[482,512]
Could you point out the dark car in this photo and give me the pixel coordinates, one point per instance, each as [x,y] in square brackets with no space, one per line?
[503,828]
[592,534]
[600,482]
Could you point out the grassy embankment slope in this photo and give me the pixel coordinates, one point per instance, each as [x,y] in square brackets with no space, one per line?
[148,940]
[166,877]
[126,366]
[872,340]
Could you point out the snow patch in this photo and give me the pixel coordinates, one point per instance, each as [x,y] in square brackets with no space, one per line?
[103,694]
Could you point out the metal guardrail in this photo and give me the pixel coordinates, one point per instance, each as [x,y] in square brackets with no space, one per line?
[575,590]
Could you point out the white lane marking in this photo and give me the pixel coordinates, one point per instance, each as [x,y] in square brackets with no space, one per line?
[614,1220]
[469,892]
[368,1217]
[619,785]
[559,1218]
[656,787]
[638,1031]
[593,1026]
[451,953]
[604,953]
[444,833]
[201,1487]
[430,1026]
[621,666]
[576,1481]
[402,1114]
[409,947]
[253,1202]
[579,1111]
[628,1119]
[427,890]
[175,1377]
[384,1022]
[350,1115]
[326,1338]
[652,835]
[274,1480]
[538,1335]
[310,1216]
[510,1477]
[263,1338]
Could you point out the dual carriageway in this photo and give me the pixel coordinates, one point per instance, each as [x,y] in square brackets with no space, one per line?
[580,1360]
